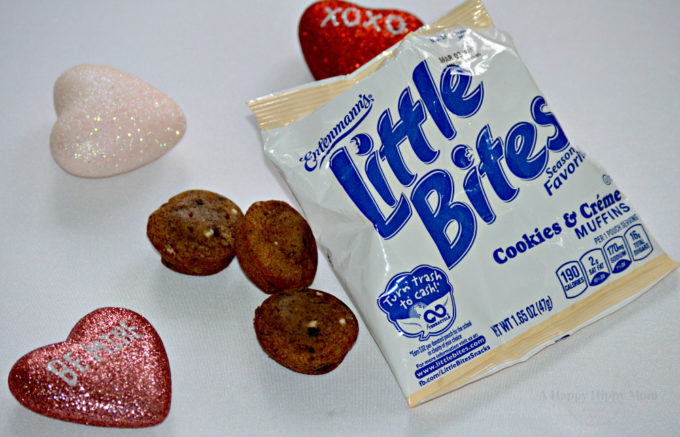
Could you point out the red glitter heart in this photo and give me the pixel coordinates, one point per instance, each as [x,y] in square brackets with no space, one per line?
[338,37]
[112,370]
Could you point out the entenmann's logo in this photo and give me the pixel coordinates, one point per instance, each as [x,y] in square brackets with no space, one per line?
[314,157]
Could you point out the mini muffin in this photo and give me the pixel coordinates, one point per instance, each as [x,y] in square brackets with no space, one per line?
[194,232]
[307,331]
[276,248]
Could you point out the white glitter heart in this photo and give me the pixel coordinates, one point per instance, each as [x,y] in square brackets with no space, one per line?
[110,122]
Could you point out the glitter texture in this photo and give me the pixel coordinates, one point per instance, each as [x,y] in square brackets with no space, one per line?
[112,370]
[338,37]
[110,122]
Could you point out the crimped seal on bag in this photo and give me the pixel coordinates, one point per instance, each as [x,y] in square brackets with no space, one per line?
[281,109]
[465,226]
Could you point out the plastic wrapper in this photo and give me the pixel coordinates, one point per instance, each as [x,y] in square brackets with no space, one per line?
[467,229]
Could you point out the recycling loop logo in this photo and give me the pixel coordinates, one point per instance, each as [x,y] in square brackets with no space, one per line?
[419,303]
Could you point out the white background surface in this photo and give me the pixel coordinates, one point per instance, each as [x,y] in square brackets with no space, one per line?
[609,70]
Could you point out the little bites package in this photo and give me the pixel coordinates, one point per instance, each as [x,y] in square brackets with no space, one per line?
[467,229]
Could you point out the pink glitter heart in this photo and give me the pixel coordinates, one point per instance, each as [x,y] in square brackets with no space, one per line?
[112,370]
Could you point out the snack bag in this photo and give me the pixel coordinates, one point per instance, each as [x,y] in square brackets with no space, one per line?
[467,229]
